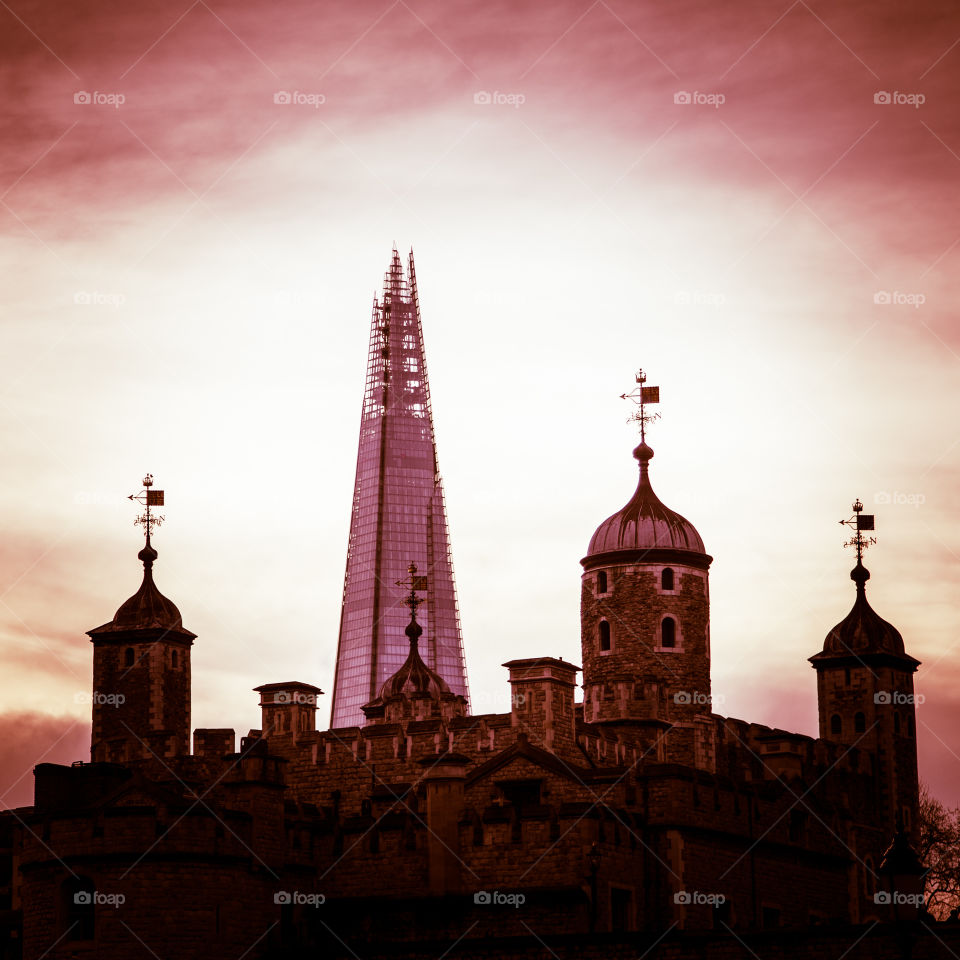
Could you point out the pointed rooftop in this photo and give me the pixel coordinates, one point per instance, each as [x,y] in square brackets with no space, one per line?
[147,609]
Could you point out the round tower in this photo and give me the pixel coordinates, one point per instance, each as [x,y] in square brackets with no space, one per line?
[645,624]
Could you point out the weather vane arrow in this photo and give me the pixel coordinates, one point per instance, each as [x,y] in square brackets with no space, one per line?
[415,583]
[642,395]
[858,522]
[149,498]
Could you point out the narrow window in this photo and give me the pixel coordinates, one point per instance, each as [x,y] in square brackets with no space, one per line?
[846,676]
[173,659]
[602,581]
[911,728]
[836,724]
[666,579]
[859,722]
[78,915]
[668,632]
[604,635]
[896,722]
[128,657]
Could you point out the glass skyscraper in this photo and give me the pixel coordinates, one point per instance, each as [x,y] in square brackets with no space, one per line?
[399,516]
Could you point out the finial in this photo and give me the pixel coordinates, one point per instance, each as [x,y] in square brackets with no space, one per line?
[415,583]
[149,498]
[641,396]
[858,522]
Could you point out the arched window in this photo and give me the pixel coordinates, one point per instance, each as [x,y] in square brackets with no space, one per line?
[859,722]
[666,579]
[602,581]
[128,657]
[604,631]
[173,659]
[836,724]
[77,896]
[668,632]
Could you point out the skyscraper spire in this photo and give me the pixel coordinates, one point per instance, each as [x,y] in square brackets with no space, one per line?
[399,516]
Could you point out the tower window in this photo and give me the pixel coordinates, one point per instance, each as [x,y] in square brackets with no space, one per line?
[174,659]
[836,724]
[896,722]
[911,728]
[128,657]
[668,631]
[859,722]
[846,676]
[604,631]
[602,581]
[666,579]
[78,914]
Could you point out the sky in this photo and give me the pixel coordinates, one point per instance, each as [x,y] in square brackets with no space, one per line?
[756,202]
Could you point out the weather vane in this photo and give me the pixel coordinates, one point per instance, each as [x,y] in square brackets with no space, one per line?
[415,583]
[858,522]
[149,498]
[641,396]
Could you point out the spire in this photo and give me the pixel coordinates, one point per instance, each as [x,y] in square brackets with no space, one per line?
[148,608]
[398,511]
[645,523]
[863,631]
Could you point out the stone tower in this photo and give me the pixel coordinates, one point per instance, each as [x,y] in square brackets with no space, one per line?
[866,702]
[645,626]
[141,677]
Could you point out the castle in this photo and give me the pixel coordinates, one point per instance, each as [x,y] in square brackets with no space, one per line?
[635,822]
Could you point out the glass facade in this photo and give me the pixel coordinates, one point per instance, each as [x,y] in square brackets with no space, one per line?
[398,516]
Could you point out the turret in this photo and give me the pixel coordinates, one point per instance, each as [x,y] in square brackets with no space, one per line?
[645,620]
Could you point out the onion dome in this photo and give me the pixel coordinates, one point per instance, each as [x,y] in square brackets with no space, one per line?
[646,526]
[863,631]
[148,608]
[414,691]
[414,676]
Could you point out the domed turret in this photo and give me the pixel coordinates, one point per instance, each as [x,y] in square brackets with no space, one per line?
[414,692]
[862,630]
[645,523]
[645,621]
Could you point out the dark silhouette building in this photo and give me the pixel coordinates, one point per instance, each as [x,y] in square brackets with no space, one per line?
[638,822]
